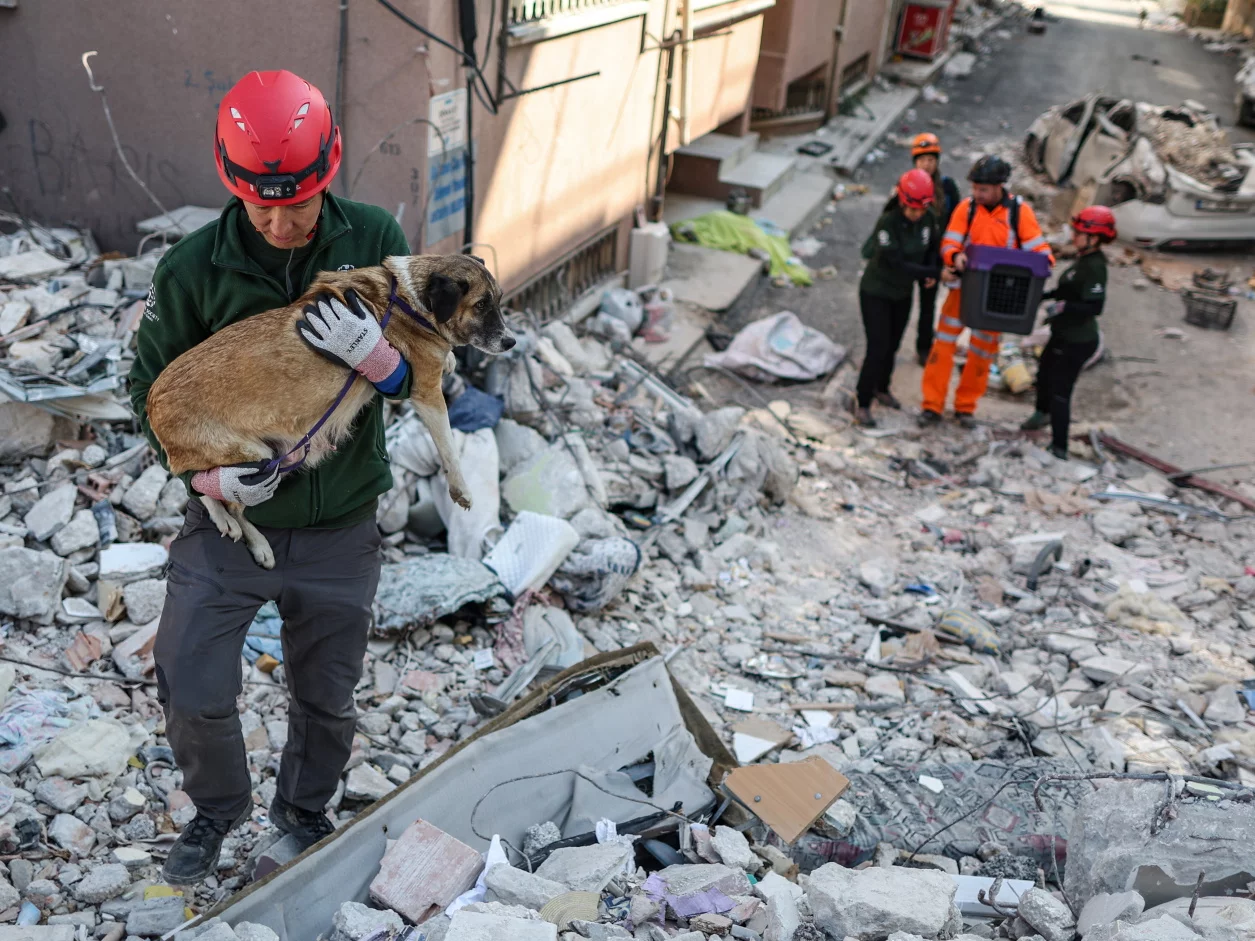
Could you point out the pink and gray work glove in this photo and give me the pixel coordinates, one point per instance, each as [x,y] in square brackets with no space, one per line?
[249,484]
[350,335]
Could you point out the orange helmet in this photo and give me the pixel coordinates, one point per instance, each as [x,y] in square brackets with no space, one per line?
[1096,220]
[276,143]
[925,144]
[915,189]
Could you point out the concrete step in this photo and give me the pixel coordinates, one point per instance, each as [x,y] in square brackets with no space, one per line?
[853,136]
[725,149]
[797,204]
[698,169]
[761,175]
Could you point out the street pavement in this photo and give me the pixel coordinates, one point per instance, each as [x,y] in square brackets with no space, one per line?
[1090,45]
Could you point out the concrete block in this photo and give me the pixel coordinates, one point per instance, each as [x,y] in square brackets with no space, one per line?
[585,868]
[424,871]
[355,921]
[1111,848]
[519,887]
[473,926]
[783,918]
[874,903]
[36,933]
[154,917]
[1106,908]
[1048,916]
[689,880]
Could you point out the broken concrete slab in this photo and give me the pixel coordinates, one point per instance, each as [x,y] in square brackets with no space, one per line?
[478,926]
[1048,916]
[1111,847]
[81,532]
[142,496]
[126,562]
[51,512]
[874,903]
[519,887]
[152,918]
[37,933]
[420,591]
[585,868]
[424,871]
[355,921]
[31,583]
[1106,908]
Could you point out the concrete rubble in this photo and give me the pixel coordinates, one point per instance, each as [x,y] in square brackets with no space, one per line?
[795,571]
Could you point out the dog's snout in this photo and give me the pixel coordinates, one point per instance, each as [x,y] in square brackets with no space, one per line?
[508,343]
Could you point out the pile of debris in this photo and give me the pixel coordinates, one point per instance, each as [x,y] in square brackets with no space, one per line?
[962,628]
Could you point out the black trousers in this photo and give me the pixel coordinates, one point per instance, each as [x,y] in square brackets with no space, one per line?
[1060,365]
[324,582]
[884,322]
[927,317]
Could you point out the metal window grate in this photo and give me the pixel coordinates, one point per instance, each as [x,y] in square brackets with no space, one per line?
[1008,290]
[855,71]
[529,11]
[551,292]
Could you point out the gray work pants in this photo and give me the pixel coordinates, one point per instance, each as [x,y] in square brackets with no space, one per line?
[324,581]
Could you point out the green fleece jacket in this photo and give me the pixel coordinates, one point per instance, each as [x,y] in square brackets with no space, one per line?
[223,273]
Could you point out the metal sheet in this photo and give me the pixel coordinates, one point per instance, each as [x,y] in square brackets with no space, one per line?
[608,728]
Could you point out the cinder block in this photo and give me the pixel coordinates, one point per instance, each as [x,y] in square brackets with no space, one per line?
[424,871]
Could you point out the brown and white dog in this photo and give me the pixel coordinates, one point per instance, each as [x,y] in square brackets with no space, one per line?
[254,389]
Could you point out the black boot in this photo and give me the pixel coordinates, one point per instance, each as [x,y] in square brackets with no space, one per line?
[195,854]
[307,826]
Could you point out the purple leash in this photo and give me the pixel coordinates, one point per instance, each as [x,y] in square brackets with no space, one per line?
[394,300]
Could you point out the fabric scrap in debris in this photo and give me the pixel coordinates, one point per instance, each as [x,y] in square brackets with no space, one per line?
[730,232]
[779,347]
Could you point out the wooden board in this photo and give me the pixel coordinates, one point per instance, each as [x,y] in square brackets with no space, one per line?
[787,797]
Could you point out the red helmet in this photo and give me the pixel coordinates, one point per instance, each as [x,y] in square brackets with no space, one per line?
[1096,220]
[925,144]
[276,142]
[915,189]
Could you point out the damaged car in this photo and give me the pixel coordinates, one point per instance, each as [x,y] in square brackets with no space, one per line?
[1171,175]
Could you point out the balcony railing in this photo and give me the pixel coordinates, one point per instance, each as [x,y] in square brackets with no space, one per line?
[531,11]
[548,294]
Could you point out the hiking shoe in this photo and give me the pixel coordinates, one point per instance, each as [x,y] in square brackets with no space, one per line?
[888,400]
[863,417]
[965,419]
[1060,453]
[927,419]
[195,854]
[307,826]
[1035,422]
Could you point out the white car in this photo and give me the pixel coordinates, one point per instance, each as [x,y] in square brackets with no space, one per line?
[1170,175]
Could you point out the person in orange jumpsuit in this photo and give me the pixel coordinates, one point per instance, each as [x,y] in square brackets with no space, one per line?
[990,216]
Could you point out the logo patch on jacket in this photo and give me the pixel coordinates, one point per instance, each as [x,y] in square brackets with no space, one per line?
[882,237]
[150,304]
[1096,289]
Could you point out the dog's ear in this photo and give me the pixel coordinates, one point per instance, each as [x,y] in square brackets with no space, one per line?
[443,295]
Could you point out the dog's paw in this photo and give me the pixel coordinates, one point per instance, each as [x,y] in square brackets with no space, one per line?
[230,527]
[459,496]
[262,553]
[450,363]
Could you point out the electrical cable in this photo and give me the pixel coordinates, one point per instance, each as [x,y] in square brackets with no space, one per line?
[117,144]
[468,59]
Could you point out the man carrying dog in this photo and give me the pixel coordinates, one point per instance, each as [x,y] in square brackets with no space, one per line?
[277,149]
